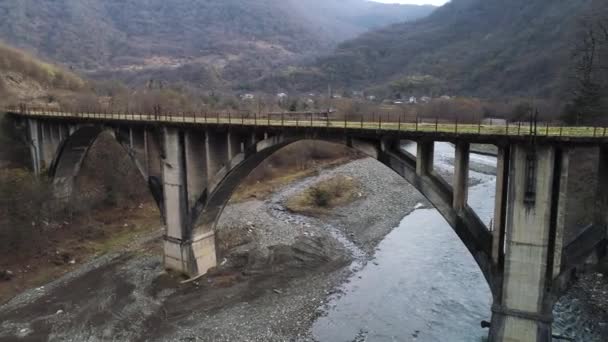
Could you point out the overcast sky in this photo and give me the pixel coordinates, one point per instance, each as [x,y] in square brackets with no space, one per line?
[417,2]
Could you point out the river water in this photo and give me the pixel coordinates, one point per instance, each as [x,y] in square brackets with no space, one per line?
[422,284]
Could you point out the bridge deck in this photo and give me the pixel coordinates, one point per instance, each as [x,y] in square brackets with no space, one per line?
[435,130]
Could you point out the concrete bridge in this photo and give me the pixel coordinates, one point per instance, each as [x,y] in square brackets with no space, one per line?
[193,163]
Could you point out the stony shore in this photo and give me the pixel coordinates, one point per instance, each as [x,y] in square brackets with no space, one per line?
[278,270]
[276,273]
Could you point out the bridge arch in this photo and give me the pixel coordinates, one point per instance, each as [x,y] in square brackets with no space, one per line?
[467,225]
[73,150]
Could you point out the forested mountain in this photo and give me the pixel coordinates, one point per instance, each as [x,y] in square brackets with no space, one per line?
[207,41]
[467,47]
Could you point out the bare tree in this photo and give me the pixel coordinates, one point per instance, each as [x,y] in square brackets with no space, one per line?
[590,74]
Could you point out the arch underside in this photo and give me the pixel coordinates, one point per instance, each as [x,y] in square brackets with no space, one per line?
[73,151]
[465,223]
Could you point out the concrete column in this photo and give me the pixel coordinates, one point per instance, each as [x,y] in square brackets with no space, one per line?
[234,145]
[35,145]
[216,152]
[48,151]
[524,310]
[601,209]
[424,158]
[500,204]
[137,145]
[461,176]
[196,164]
[562,209]
[131,137]
[176,251]
[153,156]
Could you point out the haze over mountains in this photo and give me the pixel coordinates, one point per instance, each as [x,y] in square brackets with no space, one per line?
[467,47]
[214,42]
[488,48]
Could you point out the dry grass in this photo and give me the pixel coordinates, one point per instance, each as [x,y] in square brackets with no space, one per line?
[49,75]
[296,161]
[325,195]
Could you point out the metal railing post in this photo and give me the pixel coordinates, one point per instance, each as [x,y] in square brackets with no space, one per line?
[519,127]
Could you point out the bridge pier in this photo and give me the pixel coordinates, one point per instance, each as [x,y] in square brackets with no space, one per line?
[523,310]
[424,157]
[216,151]
[35,141]
[461,176]
[196,164]
[188,160]
[177,253]
[47,145]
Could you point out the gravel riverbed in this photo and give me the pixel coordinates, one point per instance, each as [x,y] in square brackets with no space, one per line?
[277,271]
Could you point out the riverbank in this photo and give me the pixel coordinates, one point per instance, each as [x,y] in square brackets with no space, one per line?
[277,273]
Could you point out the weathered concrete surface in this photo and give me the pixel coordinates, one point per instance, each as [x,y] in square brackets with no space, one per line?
[524,311]
[461,176]
[176,250]
[196,166]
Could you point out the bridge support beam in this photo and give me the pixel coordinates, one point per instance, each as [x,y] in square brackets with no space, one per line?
[601,210]
[35,142]
[461,176]
[424,158]
[216,151]
[185,176]
[523,311]
[177,249]
[234,145]
[47,145]
[196,164]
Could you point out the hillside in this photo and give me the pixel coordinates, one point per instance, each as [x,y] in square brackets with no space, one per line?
[24,78]
[202,42]
[467,47]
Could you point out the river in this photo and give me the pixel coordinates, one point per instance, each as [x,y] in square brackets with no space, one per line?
[423,285]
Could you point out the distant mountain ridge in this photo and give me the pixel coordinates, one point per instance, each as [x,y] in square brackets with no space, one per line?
[217,42]
[467,47]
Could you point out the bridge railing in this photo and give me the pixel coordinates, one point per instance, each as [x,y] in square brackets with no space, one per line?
[323,119]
